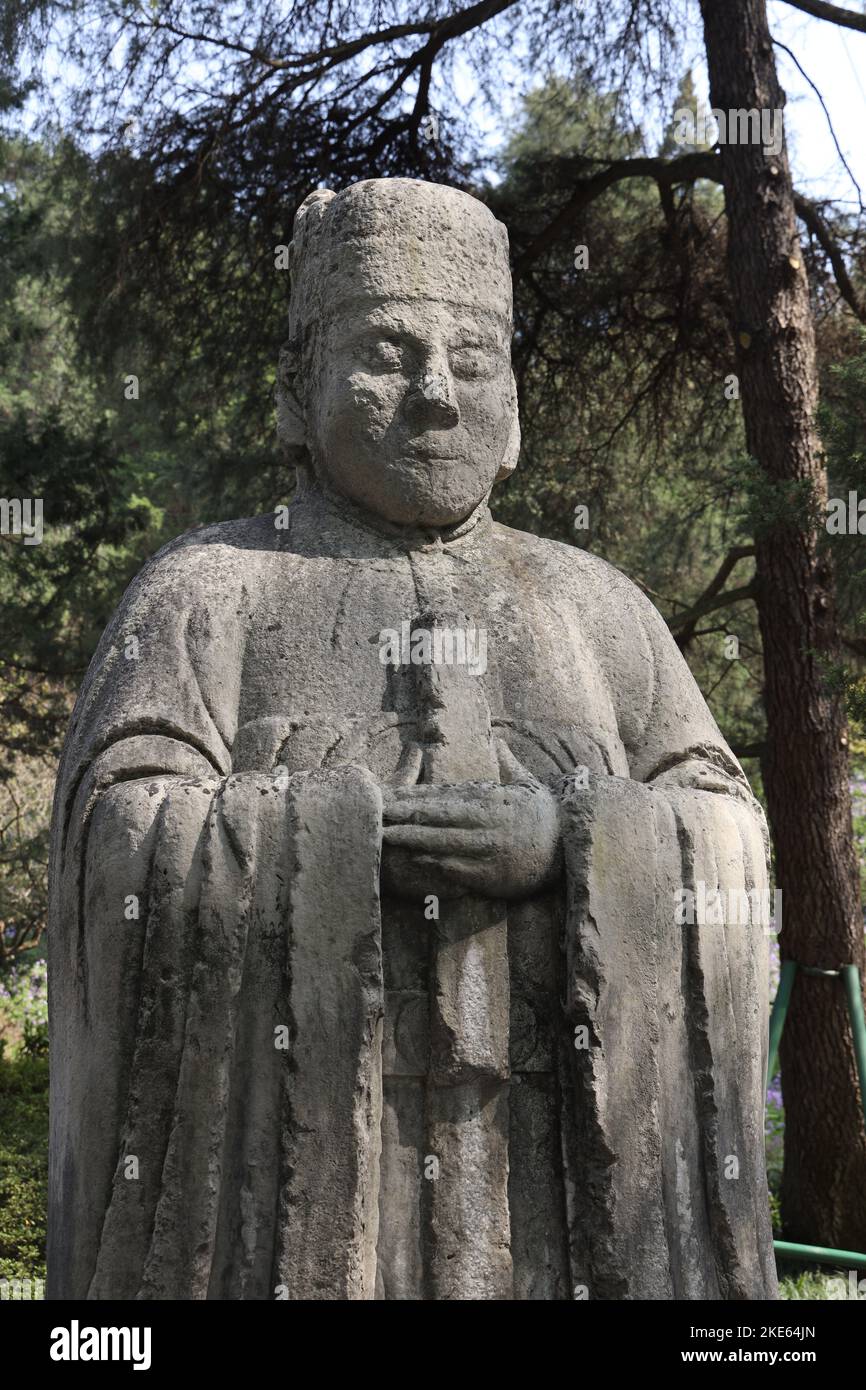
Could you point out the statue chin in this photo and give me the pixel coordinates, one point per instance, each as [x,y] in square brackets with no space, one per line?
[427,514]
[403,495]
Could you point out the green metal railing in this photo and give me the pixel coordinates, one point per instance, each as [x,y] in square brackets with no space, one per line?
[850,976]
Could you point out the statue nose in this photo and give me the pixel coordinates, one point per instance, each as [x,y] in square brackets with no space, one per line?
[433,399]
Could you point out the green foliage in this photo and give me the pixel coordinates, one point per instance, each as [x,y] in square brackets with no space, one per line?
[24,1007]
[769,504]
[59,442]
[687,99]
[811,1282]
[774,1130]
[842,417]
[842,420]
[775,1213]
[25,799]
[23,1166]
[840,680]
[858,806]
[107,484]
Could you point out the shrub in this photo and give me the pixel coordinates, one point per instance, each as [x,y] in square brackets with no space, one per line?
[23,1166]
[24,1008]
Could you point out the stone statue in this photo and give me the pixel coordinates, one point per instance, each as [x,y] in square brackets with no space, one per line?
[375,820]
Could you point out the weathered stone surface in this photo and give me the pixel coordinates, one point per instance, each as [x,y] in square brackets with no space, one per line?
[365,973]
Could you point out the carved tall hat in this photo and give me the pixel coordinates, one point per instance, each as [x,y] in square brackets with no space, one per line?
[394,239]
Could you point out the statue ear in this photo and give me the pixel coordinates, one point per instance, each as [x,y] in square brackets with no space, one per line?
[291,425]
[512,448]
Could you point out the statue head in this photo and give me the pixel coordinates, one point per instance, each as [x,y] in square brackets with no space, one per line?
[396,382]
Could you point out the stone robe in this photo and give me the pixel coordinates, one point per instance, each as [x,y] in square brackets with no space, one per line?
[240,1049]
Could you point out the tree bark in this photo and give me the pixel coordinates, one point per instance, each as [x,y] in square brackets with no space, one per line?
[806,763]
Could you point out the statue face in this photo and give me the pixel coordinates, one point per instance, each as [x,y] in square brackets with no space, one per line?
[412,409]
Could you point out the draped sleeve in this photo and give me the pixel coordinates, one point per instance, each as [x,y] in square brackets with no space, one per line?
[667,912]
[216,990]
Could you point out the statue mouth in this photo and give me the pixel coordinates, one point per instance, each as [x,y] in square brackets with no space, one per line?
[430,456]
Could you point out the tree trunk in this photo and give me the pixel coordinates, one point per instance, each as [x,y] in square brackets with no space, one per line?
[806,767]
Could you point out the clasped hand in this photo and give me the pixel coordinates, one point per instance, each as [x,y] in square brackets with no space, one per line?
[470,839]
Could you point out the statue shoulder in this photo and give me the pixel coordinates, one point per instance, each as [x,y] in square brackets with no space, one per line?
[205,562]
[601,593]
[217,543]
[193,590]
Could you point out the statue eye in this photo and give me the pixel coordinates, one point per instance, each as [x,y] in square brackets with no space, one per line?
[474,363]
[381,355]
